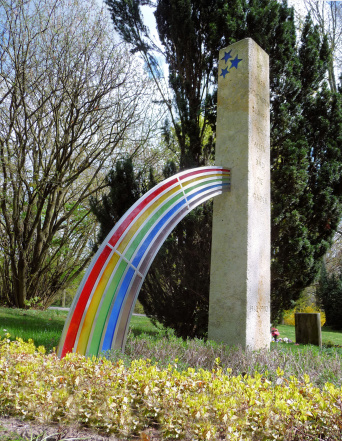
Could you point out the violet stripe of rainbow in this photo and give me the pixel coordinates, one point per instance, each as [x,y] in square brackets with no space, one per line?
[122,328]
[105,254]
[112,323]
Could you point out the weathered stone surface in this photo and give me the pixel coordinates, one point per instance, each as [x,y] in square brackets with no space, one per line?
[308,328]
[239,305]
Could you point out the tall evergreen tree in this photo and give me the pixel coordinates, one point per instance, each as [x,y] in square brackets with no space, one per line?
[306,173]
[306,121]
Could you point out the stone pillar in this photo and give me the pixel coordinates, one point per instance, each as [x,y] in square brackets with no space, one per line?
[308,328]
[239,302]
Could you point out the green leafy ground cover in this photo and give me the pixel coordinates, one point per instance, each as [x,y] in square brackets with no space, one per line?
[162,347]
[156,352]
[191,404]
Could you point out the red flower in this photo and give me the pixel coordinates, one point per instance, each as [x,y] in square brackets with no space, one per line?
[274,331]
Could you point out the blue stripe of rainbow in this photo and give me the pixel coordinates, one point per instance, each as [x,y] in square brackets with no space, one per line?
[101,311]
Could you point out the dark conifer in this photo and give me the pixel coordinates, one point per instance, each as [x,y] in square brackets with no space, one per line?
[306,122]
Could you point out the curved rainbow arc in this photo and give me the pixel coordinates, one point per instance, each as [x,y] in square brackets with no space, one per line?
[99,316]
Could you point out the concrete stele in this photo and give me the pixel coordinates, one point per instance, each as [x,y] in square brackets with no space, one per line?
[239,302]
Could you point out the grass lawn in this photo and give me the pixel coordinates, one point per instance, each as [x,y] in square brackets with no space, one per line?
[45,327]
[141,324]
[329,336]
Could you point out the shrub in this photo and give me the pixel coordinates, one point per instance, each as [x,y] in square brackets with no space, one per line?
[192,404]
[289,315]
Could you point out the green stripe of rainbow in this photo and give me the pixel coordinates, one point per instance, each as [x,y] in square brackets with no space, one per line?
[99,316]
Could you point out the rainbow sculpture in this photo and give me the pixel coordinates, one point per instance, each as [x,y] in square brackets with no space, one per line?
[99,316]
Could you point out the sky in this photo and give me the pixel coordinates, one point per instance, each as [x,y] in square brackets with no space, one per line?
[298,5]
[150,21]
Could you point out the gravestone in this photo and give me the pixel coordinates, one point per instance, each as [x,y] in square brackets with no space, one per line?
[239,302]
[308,328]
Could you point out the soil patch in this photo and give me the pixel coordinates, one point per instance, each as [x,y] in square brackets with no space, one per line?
[31,430]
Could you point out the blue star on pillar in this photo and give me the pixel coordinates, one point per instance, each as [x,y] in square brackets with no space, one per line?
[226,56]
[224,72]
[235,62]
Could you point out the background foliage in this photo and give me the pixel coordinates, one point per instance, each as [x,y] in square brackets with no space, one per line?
[289,316]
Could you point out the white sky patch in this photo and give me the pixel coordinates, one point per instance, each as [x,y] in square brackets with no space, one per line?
[150,23]
[299,6]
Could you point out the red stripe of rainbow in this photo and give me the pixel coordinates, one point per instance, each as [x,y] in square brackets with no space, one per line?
[99,316]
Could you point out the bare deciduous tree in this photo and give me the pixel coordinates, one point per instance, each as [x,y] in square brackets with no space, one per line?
[71,101]
[328,15]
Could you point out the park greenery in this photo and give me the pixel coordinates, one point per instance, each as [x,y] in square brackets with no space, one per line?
[88,123]
[328,16]
[74,111]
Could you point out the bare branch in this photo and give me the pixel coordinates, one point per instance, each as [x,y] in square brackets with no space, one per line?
[72,101]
